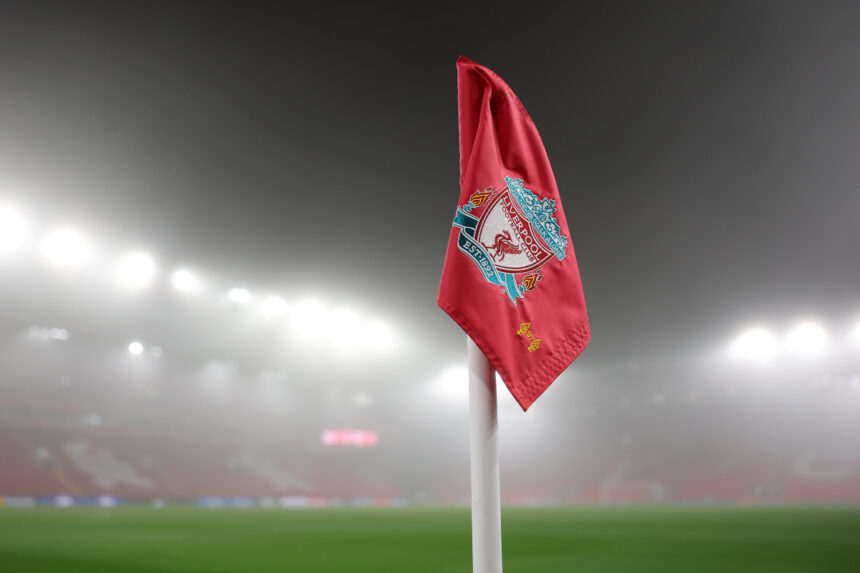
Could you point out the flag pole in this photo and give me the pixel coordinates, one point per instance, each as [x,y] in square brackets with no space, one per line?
[486,493]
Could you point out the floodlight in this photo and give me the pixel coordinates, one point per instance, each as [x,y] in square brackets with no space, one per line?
[310,309]
[379,335]
[67,247]
[239,295]
[135,347]
[14,228]
[309,319]
[807,339]
[274,306]
[855,334]
[58,334]
[136,270]
[756,344]
[345,329]
[45,333]
[185,281]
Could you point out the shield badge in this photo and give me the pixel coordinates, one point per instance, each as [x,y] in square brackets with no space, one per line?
[510,234]
[507,235]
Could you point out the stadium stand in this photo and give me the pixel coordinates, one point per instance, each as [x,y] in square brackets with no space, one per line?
[48,459]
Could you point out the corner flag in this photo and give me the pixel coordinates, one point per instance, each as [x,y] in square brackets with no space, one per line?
[510,278]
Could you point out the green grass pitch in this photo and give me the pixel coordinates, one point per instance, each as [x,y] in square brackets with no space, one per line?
[634,539]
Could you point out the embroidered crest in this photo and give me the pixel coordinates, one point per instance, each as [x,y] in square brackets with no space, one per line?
[510,234]
[526,330]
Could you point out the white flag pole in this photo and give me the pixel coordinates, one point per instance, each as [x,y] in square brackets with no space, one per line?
[486,494]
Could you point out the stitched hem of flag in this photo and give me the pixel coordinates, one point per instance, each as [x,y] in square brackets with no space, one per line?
[568,350]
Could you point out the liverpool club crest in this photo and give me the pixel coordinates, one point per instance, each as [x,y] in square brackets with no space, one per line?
[510,234]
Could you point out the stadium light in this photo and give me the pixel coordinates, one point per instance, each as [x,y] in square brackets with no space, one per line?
[855,334]
[379,335]
[136,270]
[135,347]
[345,330]
[807,339]
[67,247]
[14,228]
[756,344]
[184,281]
[309,320]
[46,333]
[239,295]
[274,306]
[58,334]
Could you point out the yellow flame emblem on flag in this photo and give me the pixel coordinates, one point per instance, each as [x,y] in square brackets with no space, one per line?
[526,330]
[478,198]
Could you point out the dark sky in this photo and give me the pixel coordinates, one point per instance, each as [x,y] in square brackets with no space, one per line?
[706,152]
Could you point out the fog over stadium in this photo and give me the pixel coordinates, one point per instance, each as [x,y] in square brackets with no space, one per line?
[222,228]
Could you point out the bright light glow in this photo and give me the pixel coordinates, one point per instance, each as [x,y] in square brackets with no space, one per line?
[136,270]
[453,383]
[239,295]
[756,344]
[309,309]
[67,247]
[274,306]
[330,438]
[183,280]
[855,334]
[14,228]
[58,334]
[309,320]
[135,347]
[379,336]
[807,339]
[345,330]
[45,333]
[360,438]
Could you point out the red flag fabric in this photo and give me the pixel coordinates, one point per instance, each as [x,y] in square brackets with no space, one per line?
[510,278]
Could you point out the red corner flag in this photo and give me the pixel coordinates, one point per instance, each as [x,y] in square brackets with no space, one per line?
[510,278]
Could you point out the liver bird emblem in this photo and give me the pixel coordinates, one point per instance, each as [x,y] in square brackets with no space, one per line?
[503,245]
